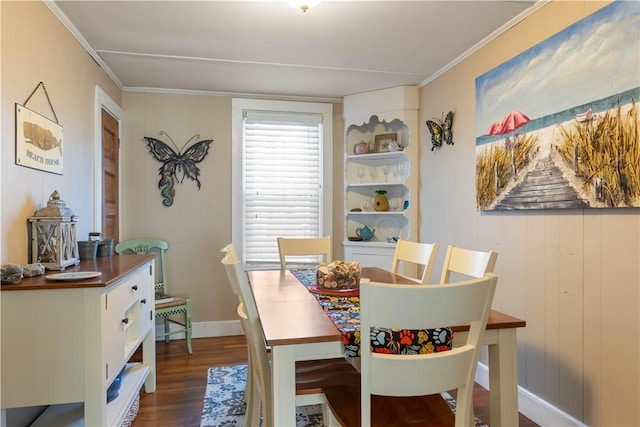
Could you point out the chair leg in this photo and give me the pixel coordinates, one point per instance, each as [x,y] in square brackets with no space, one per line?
[249,385]
[166,329]
[249,401]
[251,398]
[328,417]
[187,322]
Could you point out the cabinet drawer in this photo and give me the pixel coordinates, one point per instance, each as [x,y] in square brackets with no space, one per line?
[125,320]
[139,311]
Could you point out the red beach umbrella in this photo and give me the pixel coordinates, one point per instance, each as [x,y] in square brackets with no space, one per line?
[513,121]
[494,129]
[509,123]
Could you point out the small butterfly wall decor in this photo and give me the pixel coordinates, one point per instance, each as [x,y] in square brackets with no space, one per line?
[176,164]
[441,131]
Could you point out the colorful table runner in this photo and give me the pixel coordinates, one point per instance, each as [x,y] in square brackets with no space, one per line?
[345,314]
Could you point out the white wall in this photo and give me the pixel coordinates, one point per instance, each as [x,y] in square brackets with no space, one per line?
[573,275]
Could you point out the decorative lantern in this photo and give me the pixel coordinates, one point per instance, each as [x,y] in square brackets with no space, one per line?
[53,235]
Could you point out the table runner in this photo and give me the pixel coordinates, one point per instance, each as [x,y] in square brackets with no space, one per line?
[344,312]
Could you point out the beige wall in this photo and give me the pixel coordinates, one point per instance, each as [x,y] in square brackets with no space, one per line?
[36,47]
[573,275]
[199,223]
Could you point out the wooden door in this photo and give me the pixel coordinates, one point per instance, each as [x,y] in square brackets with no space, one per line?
[110,171]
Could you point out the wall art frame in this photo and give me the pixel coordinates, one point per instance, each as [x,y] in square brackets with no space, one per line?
[384,142]
[557,126]
[39,141]
[177,164]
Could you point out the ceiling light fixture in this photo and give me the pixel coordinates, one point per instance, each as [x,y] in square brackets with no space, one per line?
[303,5]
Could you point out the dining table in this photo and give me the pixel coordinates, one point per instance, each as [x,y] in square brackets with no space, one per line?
[297,325]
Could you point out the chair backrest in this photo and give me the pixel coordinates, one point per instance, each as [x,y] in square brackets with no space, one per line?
[230,249]
[148,246]
[248,313]
[303,247]
[467,263]
[411,307]
[421,254]
[230,255]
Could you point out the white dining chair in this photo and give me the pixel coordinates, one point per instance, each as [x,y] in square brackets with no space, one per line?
[230,251]
[304,247]
[402,390]
[311,376]
[460,263]
[421,256]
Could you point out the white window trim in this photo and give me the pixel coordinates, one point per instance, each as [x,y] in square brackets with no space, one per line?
[238,105]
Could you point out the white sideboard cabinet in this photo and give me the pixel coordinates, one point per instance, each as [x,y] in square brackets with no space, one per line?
[381,114]
[64,342]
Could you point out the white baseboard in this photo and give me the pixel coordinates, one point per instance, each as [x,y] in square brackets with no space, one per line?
[536,409]
[205,329]
[216,329]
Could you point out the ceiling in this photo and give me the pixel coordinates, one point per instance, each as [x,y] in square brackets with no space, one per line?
[269,48]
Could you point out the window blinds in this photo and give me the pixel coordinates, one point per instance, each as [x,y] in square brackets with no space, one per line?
[282,179]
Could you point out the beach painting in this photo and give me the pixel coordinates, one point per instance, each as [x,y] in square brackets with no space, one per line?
[557,127]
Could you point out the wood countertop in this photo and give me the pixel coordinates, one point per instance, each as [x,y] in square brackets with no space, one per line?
[113,269]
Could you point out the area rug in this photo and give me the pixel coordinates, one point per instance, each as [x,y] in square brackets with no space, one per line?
[224,401]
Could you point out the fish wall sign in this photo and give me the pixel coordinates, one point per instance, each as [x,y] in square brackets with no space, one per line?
[177,164]
[38,139]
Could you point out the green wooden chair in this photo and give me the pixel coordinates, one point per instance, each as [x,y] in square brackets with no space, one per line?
[170,311]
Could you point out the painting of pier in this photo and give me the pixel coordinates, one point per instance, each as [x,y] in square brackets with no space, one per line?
[558,126]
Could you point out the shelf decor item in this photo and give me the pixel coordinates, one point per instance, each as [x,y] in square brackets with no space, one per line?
[339,275]
[53,235]
[87,249]
[365,233]
[11,273]
[386,142]
[361,147]
[381,203]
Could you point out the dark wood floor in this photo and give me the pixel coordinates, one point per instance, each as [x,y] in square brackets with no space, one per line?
[181,382]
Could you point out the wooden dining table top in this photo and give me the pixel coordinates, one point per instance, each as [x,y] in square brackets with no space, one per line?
[291,315]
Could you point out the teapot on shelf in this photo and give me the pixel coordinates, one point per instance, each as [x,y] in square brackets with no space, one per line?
[365,233]
[361,147]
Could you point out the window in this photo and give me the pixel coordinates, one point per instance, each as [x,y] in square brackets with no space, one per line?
[281,153]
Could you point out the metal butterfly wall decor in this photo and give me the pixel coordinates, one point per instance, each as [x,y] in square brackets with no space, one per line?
[176,166]
[441,131]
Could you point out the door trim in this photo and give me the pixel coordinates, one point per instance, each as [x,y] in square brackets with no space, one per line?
[103,101]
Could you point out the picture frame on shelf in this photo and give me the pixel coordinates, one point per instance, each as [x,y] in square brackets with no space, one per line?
[385,143]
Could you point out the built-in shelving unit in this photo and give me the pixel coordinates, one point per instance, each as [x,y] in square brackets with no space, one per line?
[367,115]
